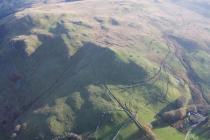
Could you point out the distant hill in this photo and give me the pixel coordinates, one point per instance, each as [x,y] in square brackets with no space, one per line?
[11,6]
[198,6]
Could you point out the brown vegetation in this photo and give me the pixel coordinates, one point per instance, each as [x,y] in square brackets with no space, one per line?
[180,102]
[150,134]
[174,115]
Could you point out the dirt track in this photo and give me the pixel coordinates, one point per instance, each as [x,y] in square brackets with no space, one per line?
[196,90]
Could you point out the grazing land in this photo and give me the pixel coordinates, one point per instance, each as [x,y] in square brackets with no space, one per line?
[104,70]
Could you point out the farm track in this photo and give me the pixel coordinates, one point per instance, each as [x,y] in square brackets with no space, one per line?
[122,126]
[153,78]
[196,90]
[124,108]
[130,114]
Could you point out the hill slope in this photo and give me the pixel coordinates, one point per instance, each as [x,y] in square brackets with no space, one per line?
[108,72]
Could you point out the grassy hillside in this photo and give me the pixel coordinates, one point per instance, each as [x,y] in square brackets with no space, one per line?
[8,7]
[77,72]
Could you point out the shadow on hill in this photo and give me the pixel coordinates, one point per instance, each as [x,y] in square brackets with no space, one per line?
[3,33]
[159,122]
[50,67]
[107,67]
[188,45]
[200,7]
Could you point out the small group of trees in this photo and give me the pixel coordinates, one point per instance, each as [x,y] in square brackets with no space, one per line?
[174,115]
